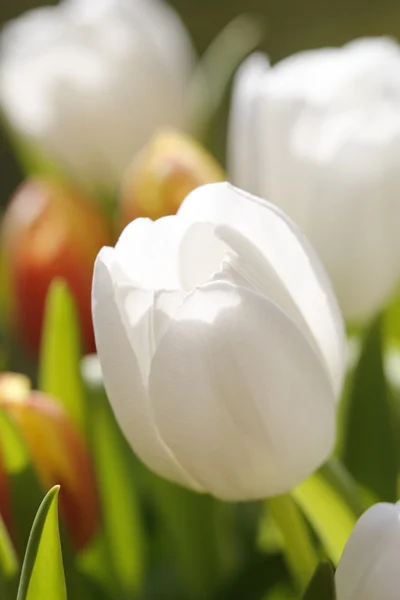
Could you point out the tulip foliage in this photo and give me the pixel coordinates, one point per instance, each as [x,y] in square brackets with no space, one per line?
[199,396]
[144,524]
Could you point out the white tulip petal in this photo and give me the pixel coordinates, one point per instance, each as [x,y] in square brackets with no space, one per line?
[200,256]
[289,255]
[369,567]
[343,158]
[325,148]
[229,256]
[354,226]
[123,368]
[244,160]
[269,171]
[239,395]
[149,251]
[383,580]
[95,72]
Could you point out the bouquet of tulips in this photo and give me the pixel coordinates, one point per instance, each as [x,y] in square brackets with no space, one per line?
[200,365]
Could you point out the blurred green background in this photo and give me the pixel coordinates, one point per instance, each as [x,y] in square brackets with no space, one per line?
[290,25]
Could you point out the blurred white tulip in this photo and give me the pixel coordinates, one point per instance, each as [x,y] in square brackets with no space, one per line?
[318,134]
[221,345]
[90,81]
[369,567]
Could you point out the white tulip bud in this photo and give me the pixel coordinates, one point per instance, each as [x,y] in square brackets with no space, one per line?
[369,567]
[318,134]
[221,345]
[90,81]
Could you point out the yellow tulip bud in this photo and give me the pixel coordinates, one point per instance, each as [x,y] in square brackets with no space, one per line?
[164,173]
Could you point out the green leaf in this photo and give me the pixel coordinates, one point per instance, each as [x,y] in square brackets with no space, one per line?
[14,450]
[8,558]
[189,522]
[42,572]
[299,551]
[322,584]
[122,517]
[59,370]
[259,574]
[217,66]
[32,159]
[330,501]
[281,592]
[392,320]
[22,476]
[369,448]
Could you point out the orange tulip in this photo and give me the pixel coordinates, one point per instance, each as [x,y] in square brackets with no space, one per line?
[50,231]
[165,172]
[58,452]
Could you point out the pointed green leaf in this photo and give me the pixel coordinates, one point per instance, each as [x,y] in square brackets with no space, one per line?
[59,370]
[8,558]
[42,572]
[369,447]
[330,501]
[322,584]
[24,505]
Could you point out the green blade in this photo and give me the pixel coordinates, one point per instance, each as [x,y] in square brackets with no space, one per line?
[322,584]
[123,528]
[22,476]
[215,70]
[15,453]
[299,551]
[42,572]
[329,499]
[8,559]
[59,371]
[369,448]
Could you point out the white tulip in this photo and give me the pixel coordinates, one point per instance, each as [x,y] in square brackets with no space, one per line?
[319,135]
[221,345]
[90,81]
[369,567]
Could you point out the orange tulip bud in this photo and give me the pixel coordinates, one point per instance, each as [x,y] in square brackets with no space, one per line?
[58,453]
[164,173]
[50,231]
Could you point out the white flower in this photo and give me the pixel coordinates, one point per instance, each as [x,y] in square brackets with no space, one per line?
[90,81]
[369,567]
[318,134]
[221,345]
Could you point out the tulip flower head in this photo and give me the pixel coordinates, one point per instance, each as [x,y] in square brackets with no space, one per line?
[369,567]
[90,81]
[58,452]
[50,231]
[221,345]
[319,135]
[170,167]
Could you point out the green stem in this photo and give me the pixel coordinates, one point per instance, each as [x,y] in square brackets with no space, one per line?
[300,554]
[189,521]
